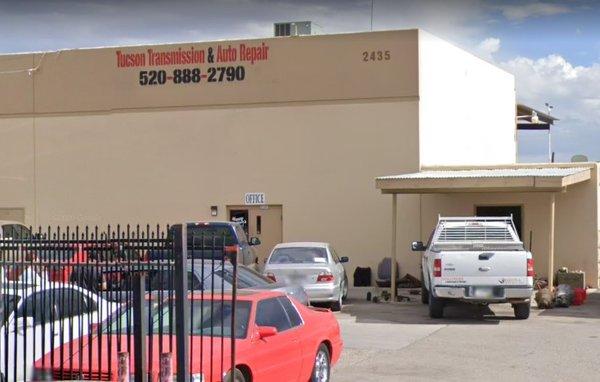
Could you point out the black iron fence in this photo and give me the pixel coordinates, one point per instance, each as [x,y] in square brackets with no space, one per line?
[119,304]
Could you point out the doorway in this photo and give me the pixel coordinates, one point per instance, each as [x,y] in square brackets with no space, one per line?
[240,216]
[264,222]
[515,211]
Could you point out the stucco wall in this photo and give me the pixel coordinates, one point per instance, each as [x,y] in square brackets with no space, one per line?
[312,68]
[467,107]
[317,160]
[17,165]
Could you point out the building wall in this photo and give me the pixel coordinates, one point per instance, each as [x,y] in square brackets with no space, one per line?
[310,68]
[467,107]
[311,123]
[316,160]
[17,183]
[576,236]
[576,227]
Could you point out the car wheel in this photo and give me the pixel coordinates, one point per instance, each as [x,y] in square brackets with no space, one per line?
[424,291]
[322,365]
[238,377]
[337,305]
[436,306]
[345,288]
[522,310]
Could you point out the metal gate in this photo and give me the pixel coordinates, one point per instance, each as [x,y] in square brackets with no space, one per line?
[117,304]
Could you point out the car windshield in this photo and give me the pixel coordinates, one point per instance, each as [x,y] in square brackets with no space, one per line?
[299,255]
[247,278]
[206,318]
[8,303]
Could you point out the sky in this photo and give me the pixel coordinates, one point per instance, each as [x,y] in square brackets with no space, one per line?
[552,47]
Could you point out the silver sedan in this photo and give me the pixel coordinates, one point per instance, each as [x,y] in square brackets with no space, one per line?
[314,266]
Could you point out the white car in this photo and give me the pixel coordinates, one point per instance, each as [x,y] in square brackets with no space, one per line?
[314,266]
[478,260]
[39,318]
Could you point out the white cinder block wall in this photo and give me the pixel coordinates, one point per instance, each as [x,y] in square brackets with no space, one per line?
[466,107]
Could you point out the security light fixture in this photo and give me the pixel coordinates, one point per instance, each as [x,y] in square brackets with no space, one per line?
[214,210]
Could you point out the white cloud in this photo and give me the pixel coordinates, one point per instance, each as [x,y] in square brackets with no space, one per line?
[488,47]
[575,93]
[538,9]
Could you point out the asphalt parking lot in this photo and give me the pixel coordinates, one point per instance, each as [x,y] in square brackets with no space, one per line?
[399,342]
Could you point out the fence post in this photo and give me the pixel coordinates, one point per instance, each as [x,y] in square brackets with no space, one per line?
[234,262]
[123,367]
[181,305]
[166,367]
[140,326]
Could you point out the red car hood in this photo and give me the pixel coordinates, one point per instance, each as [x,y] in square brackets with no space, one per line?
[98,358]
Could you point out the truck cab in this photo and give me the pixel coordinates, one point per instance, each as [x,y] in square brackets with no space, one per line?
[476,260]
[203,235]
[212,240]
[11,230]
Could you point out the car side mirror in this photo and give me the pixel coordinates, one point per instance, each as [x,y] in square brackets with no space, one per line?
[344,259]
[266,331]
[418,246]
[254,241]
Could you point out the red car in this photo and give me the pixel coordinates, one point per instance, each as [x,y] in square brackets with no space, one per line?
[278,339]
[68,258]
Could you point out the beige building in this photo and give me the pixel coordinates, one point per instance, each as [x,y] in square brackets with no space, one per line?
[297,127]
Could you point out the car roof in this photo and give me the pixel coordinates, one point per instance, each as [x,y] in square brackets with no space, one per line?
[213,223]
[23,289]
[296,244]
[242,295]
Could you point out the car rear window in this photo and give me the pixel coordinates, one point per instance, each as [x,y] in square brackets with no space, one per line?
[15,232]
[212,235]
[299,255]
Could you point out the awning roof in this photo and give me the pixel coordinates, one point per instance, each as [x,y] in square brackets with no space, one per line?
[524,118]
[520,179]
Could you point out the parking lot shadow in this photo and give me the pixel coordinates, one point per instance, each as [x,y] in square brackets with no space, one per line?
[414,312]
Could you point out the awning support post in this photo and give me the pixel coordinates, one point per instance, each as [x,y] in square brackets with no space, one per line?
[551,243]
[394,234]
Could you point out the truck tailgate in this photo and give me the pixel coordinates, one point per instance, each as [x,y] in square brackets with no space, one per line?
[483,268]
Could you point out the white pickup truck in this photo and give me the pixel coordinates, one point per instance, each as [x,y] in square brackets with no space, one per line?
[478,260]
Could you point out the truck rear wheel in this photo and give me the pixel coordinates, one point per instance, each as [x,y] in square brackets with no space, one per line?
[436,306]
[522,310]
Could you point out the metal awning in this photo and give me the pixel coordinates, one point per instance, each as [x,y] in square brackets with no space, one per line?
[529,118]
[515,179]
